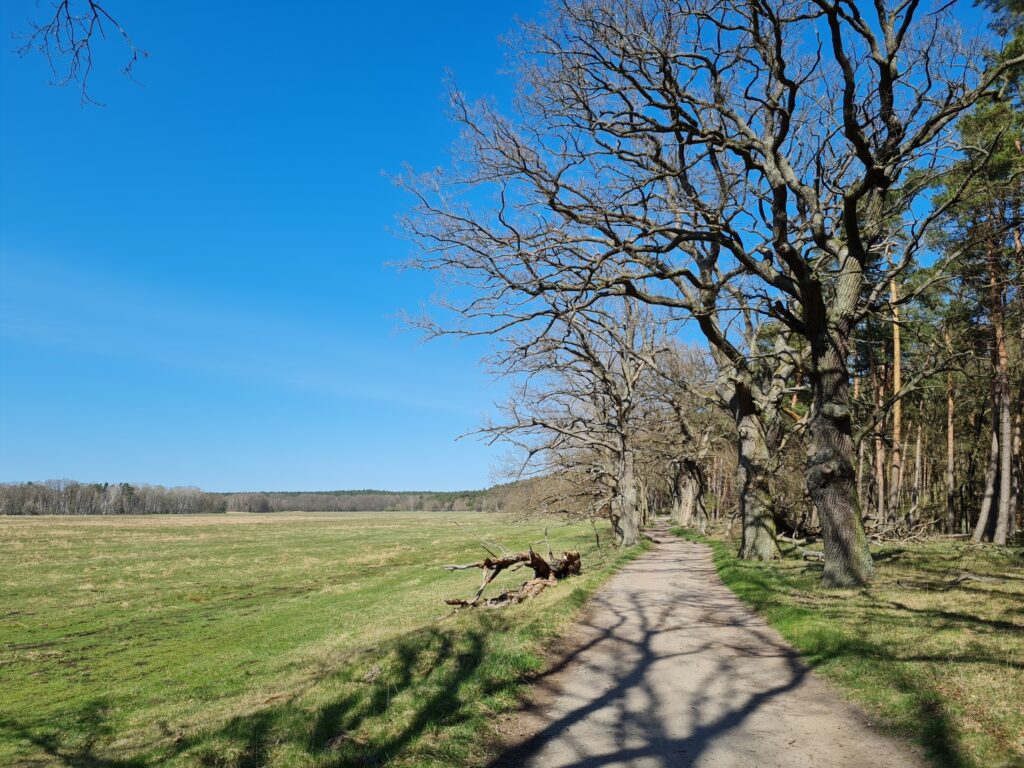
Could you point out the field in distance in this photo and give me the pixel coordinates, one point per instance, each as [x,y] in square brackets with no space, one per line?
[241,640]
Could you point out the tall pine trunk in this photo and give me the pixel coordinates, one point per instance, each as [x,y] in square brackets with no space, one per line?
[950,447]
[1002,402]
[916,499]
[896,467]
[985,526]
[878,379]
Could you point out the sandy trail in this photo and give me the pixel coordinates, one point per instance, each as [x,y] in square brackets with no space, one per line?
[669,668]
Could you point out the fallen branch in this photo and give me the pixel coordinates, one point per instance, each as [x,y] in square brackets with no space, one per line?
[544,574]
[899,531]
[531,588]
[965,576]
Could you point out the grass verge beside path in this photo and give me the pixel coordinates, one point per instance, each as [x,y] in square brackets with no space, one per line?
[290,641]
[934,648]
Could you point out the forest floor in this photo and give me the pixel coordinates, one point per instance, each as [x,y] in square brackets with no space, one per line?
[670,668]
[933,650]
[282,640]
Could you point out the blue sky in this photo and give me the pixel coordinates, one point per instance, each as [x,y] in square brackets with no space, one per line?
[194,286]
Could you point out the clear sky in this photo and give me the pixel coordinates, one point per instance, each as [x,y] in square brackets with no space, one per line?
[194,286]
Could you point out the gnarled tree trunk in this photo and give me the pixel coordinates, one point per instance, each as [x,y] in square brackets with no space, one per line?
[753,486]
[688,493]
[682,497]
[831,479]
[628,529]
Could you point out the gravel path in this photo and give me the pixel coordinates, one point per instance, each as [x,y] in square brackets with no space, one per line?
[668,668]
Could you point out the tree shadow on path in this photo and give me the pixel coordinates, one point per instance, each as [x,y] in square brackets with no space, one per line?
[611,700]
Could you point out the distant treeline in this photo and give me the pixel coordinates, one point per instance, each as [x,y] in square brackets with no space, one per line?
[66,497]
[358,501]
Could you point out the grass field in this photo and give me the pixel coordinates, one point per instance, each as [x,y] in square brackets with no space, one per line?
[282,640]
[935,655]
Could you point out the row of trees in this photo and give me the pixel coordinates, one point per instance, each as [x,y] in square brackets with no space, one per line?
[357,501]
[66,497]
[827,193]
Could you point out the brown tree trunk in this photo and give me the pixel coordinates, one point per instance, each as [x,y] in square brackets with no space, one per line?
[1017,502]
[1018,475]
[643,502]
[831,480]
[682,508]
[950,448]
[918,459]
[717,489]
[688,492]
[753,487]
[1004,510]
[985,526]
[896,466]
[1002,401]
[861,501]
[628,510]
[879,379]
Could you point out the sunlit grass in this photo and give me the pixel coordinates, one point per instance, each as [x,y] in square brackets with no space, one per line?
[283,640]
[934,647]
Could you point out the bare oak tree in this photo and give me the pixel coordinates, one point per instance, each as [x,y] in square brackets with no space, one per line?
[687,153]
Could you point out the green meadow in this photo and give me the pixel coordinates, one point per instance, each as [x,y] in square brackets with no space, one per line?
[280,640]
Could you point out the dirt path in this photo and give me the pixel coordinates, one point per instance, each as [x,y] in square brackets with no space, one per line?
[669,668]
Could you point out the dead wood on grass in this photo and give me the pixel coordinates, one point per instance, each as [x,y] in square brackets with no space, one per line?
[545,574]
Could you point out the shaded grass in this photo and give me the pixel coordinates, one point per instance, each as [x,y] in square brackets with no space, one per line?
[933,656]
[282,640]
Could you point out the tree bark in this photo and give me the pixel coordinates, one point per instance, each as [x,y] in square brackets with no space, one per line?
[831,481]
[896,466]
[985,526]
[950,447]
[628,511]
[860,452]
[1002,401]
[687,493]
[919,467]
[682,508]
[879,382]
[1018,439]
[758,540]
